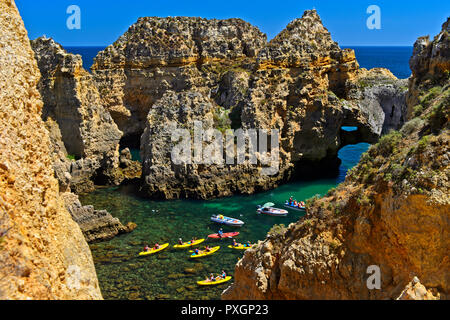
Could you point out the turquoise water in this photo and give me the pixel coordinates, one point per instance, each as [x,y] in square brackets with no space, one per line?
[171,274]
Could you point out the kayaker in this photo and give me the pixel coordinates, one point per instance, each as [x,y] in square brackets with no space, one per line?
[157,246]
[235,244]
[146,248]
[212,278]
[180,241]
[220,233]
[207,248]
[224,274]
[196,251]
[290,201]
[221,217]
[248,244]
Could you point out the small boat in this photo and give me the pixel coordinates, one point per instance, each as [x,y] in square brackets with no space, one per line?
[189,244]
[204,253]
[269,210]
[224,236]
[240,247]
[302,206]
[214,283]
[227,221]
[153,251]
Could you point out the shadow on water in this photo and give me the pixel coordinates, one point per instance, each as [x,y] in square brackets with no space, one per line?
[171,274]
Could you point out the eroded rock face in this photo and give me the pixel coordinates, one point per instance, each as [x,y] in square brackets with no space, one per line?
[160,54]
[417,291]
[73,110]
[392,212]
[429,64]
[211,177]
[301,84]
[43,254]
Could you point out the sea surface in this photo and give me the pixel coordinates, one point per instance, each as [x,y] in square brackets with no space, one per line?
[395,59]
[171,274]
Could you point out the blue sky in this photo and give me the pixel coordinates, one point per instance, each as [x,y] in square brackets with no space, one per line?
[102,21]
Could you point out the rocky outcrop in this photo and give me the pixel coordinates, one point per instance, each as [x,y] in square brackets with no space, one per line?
[160,54]
[381,97]
[305,87]
[84,136]
[96,225]
[43,254]
[392,212]
[211,176]
[430,65]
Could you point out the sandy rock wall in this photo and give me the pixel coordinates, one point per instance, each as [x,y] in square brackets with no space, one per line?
[43,254]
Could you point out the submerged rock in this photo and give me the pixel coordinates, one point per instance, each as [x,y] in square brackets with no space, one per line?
[96,225]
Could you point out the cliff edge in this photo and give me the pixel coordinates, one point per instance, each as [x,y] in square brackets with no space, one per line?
[43,254]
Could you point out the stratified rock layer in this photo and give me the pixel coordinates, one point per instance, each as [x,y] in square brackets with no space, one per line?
[43,254]
[75,117]
[392,212]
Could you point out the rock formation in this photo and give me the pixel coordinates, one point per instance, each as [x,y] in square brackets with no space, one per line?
[160,54]
[43,254]
[96,225]
[417,291]
[392,212]
[84,138]
[301,83]
[81,129]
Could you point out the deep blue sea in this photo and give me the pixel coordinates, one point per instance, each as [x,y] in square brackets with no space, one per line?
[395,59]
[171,274]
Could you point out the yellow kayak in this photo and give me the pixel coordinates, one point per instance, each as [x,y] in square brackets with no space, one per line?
[241,247]
[205,254]
[188,244]
[153,251]
[214,283]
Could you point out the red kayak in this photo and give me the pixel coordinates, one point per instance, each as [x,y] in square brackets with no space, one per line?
[225,235]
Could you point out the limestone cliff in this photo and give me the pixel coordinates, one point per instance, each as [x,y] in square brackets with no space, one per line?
[84,138]
[80,127]
[301,84]
[43,254]
[160,54]
[392,212]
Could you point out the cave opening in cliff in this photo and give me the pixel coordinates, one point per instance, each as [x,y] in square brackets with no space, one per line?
[132,142]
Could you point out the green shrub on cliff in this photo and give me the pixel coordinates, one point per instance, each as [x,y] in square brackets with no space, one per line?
[388,143]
